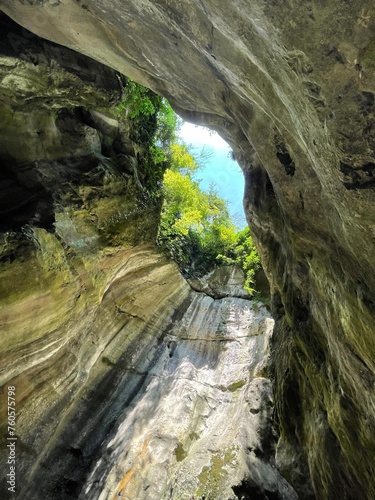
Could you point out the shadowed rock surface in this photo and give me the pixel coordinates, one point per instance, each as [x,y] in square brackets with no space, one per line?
[100,333]
[291,87]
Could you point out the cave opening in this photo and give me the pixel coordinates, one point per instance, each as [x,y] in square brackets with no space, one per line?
[83,185]
[219,167]
[86,302]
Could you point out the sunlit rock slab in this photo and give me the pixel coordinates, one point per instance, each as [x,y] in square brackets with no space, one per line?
[202,421]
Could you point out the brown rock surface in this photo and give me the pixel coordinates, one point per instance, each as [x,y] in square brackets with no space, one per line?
[291,86]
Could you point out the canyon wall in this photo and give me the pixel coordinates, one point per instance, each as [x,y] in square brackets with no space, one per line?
[290,85]
[201,424]
[127,382]
[84,296]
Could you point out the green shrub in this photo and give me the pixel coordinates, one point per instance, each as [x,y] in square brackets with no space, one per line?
[196,229]
[154,126]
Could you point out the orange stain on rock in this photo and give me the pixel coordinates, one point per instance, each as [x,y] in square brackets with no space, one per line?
[125,481]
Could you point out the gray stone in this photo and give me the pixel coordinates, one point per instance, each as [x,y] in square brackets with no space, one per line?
[291,88]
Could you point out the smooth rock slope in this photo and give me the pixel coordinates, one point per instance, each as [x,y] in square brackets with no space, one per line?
[201,424]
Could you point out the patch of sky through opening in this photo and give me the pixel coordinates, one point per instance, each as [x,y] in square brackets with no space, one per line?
[218,169]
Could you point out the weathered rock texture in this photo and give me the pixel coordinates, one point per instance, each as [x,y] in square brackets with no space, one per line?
[80,305]
[127,382]
[202,421]
[291,86]
[79,362]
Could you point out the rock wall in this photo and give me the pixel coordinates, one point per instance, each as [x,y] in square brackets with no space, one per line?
[83,293]
[76,363]
[201,424]
[127,382]
[291,86]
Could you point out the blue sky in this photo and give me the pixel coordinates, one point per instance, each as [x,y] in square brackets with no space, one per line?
[220,169]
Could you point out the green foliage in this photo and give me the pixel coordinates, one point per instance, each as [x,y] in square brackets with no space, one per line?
[181,160]
[243,253]
[137,100]
[196,228]
[149,112]
[154,126]
[168,125]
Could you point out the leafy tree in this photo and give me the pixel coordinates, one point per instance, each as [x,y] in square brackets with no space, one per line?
[181,160]
[244,254]
[197,231]
[196,228]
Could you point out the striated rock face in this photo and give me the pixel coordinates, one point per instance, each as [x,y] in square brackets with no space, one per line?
[81,307]
[127,382]
[80,361]
[202,421]
[221,282]
[291,86]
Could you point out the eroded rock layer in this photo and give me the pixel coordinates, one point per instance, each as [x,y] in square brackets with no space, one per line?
[84,296]
[291,86]
[127,382]
[201,424]
[80,361]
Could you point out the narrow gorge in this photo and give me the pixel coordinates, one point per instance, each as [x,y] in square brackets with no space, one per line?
[132,382]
